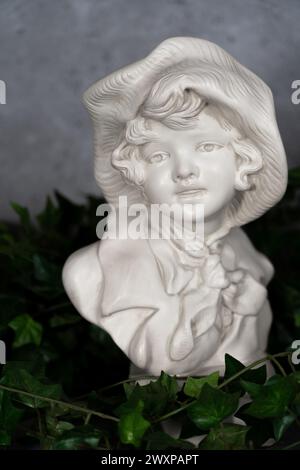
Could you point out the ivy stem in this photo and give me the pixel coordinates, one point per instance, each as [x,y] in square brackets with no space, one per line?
[71,406]
[279,366]
[39,419]
[106,440]
[126,381]
[87,419]
[291,364]
[291,445]
[254,364]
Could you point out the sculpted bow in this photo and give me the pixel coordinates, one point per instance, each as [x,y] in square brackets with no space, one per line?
[211,289]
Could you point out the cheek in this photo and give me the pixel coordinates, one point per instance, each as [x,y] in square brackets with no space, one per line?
[220,170]
[158,186]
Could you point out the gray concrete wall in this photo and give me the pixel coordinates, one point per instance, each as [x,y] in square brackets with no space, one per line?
[52,50]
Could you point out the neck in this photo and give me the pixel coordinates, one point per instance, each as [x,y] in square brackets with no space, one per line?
[214,229]
[213,223]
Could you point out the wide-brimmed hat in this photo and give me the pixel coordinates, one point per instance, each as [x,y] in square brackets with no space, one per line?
[115,99]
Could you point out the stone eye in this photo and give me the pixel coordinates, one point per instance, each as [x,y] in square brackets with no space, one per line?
[158,157]
[208,147]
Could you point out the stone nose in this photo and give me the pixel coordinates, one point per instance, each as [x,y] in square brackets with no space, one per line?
[185,172]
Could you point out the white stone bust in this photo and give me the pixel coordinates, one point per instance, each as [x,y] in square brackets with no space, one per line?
[186,124]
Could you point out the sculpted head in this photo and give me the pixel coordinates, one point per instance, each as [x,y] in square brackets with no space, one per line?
[188,123]
[181,148]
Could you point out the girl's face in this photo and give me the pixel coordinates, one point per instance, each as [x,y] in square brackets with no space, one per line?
[191,166]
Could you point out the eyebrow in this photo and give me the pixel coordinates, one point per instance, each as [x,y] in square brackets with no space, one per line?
[213,140]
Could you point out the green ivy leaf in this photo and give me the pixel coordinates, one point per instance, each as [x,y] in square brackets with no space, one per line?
[161,441]
[35,367]
[272,400]
[189,429]
[9,417]
[56,426]
[49,217]
[193,386]
[156,396]
[233,366]
[296,376]
[225,437]
[294,176]
[23,214]
[297,317]
[22,380]
[169,384]
[132,425]
[81,437]
[128,389]
[212,407]
[280,425]
[251,388]
[27,330]
[45,271]
[260,430]
[5,438]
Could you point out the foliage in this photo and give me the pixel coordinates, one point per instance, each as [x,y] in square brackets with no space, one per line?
[55,390]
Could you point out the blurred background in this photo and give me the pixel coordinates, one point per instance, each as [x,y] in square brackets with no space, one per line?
[52,51]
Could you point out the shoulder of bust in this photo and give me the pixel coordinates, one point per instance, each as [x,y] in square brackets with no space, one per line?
[119,254]
[82,279]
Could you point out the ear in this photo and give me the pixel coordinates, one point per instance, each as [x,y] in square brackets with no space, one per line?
[248,161]
[126,158]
